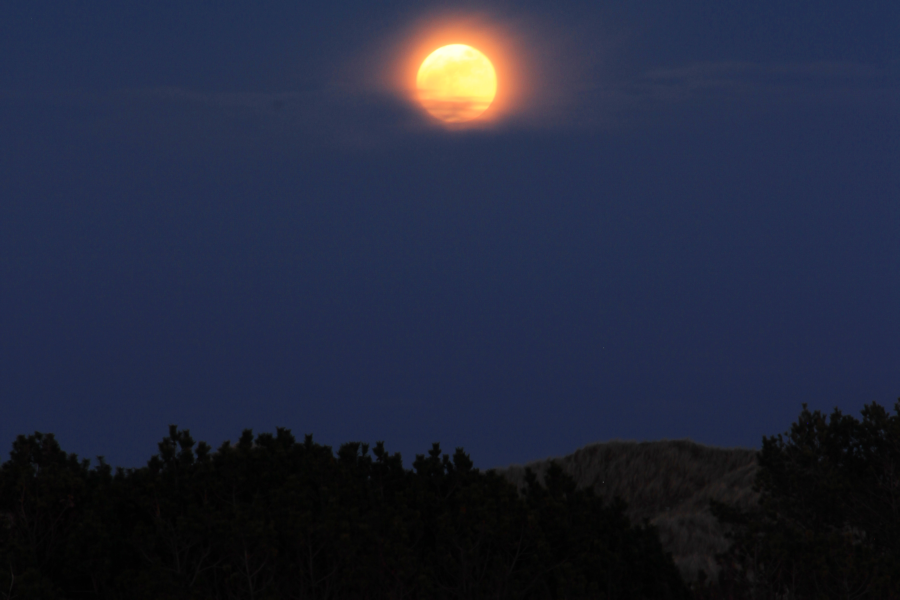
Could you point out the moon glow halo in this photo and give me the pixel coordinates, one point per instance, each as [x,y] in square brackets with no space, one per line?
[456,83]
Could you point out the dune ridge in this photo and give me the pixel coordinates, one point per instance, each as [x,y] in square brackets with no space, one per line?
[669,483]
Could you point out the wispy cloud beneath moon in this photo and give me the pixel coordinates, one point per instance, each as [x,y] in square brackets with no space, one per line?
[346,117]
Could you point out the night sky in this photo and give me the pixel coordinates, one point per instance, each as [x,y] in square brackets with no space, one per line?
[683,222]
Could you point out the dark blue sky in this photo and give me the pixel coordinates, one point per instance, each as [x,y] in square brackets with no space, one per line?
[218,215]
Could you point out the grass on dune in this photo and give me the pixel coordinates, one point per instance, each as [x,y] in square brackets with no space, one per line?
[669,483]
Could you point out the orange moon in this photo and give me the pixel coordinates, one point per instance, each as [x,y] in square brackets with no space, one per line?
[456,83]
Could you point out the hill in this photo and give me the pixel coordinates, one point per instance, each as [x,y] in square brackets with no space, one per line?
[669,483]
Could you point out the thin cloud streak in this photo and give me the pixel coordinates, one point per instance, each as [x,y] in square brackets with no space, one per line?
[828,82]
[346,118]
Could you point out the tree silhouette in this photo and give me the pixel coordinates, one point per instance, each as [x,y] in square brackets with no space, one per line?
[271,518]
[828,522]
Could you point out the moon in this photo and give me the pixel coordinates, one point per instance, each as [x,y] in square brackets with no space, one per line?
[456,83]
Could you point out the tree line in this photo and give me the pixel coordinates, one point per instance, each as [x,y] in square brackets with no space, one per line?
[271,517]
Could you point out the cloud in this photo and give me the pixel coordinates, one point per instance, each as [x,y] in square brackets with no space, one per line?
[344,116]
[724,87]
[183,120]
[777,84]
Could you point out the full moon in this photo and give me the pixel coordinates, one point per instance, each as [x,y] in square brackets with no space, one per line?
[456,83]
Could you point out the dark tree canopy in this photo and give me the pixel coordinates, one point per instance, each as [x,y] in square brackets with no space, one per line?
[270,517]
[828,522]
